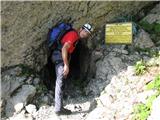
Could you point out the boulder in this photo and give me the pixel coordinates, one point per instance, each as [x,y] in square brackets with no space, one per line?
[21,97]
[31,109]
[143,40]
[11,81]
[18,107]
[154,15]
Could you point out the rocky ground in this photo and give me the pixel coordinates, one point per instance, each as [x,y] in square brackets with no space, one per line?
[112,100]
[110,95]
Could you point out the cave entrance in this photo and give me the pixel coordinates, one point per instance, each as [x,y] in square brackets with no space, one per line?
[79,66]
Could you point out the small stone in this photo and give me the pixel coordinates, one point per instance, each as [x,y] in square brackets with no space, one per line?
[124,52]
[36,81]
[18,107]
[130,70]
[31,109]
[23,95]
[106,100]
[29,80]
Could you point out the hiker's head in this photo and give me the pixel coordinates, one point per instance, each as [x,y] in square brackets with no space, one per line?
[85,31]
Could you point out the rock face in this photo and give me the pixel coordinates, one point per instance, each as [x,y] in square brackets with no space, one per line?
[112,86]
[17,102]
[17,90]
[143,40]
[106,68]
[25,25]
[151,23]
[154,15]
[10,82]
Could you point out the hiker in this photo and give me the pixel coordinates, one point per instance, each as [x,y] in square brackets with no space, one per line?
[60,57]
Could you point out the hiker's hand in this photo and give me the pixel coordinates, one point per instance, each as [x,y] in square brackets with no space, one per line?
[65,70]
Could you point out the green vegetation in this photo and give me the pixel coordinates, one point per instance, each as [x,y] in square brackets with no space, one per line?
[26,71]
[154,84]
[155,53]
[140,67]
[142,49]
[41,88]
[157,28]
[150,100]
[150,52]
[142,111]
[151,28]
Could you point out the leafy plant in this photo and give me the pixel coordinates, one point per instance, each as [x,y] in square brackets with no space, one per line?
[146,25]
[141,112]
[151,28]
[150,100]
[138,49]
[41,88]
[157,28]
[140,67]
[155,84]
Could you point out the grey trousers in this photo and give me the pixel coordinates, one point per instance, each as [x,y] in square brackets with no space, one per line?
[57,60]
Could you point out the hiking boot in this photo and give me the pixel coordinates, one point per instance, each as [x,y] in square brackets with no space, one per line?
[63,112]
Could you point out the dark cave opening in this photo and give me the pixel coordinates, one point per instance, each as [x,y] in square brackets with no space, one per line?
[78,69]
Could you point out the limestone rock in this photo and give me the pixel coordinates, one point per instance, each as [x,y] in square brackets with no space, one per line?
[106,100]
[154,15]
[25,25]
[98,114]
[109,65]
[21,116]
[24,31]
[143,40]
[2,106]
[10,81]
[22,96]
[31,109]
[18,107]
[142,97]
[46,113]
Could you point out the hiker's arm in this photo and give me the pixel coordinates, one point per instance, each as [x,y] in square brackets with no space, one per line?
[65,48]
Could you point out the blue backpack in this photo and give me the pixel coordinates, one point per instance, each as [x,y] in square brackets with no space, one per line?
[56,33]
